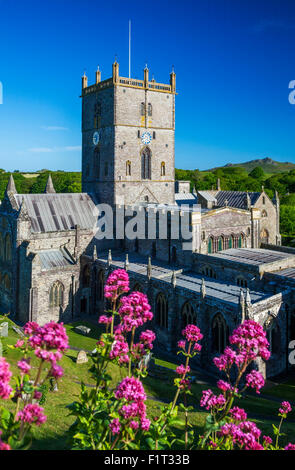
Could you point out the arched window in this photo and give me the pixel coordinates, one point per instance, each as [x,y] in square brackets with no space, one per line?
[220,243]
[86,276]
[128,168]
[264,213]
[209,272]
[106,168]
[274,337]
[210,245]
[7,282]
[242,282]
[100,284]
[8,254]
[150,109]
[264,236]
[96,162]
[154,250]
[162,311]
[188,316]
[220,333]
[241,241]
[163,169]
[142,109]
[56,294]
[174,255]
[146,164]
[1,247]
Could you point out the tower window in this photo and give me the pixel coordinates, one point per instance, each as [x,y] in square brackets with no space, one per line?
[142,109]
[163,169]
[128,168]
[146,164]
[138,134]
[154,134]
[97,162]
[150,109]
[56,294]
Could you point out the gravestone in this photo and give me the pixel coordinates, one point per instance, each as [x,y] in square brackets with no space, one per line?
[83,329]
[18,330]
[81,357]
[4,329]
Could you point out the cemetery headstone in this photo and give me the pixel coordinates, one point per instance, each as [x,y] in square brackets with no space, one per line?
[81,357]
[4,329]
[83,329]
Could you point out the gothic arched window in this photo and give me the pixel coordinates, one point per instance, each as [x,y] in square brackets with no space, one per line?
[264,236]
[142,109]
[188,316]
[241,241]
[100,285]
[219,333]
[162,310]
[86,276]
[146,164]
[242,282]
[264,213]
[7,253]
[174,254]
[96,162]
[274,337]
[150,109]
[128,168]
[220,243]
[1,247]
[210,245]
[56,294]
[163,169]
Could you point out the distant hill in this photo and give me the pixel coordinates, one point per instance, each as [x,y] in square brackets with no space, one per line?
[267,164]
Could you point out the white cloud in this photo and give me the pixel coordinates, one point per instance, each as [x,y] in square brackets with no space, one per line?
[54,128]
[40,149]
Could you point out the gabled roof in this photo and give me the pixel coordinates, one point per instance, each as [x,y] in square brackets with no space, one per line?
[236,198]
[185,198]
[51,259]
[208,195]
[56,212]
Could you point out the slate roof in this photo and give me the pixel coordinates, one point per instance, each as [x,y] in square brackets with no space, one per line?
[236,198]
[190,280]
[253,256]
[51,259]
[186,198]
[208,195]
[57,212]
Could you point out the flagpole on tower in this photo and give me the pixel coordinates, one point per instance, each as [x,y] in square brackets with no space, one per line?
[129,48]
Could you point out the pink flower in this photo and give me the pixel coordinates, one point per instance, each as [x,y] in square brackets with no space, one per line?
[267,440]
[192,333]
[290,446]
[115,426]
[19,343]
[250,339]
[32,414]
[105,320]
[180,370]
[255,380]
[224,386]
[285,408]
[24,366]
[134,311]
[181,344]
[238,414]
[48,337]
[4,446]
[120,349]
[56,371]
[147,337]
[116,284]
[131,389]
[145,424]
[209,400]
[134,424]
[5,376]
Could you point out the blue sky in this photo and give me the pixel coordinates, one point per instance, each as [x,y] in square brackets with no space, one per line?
[234,60]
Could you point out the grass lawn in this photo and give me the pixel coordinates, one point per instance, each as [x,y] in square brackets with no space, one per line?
[52,435]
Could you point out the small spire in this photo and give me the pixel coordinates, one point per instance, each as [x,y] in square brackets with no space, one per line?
[203,289]
[173,279]
[226,203]
[248,201]
[23,212]
[126,264]
[11,186]
[94,254]
[262,188]
[248,297]
[218,186]
[49,186]
[242,304]
[149,268]
[110,258]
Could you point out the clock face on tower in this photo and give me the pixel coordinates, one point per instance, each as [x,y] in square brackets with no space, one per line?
[146,138]
[96,138]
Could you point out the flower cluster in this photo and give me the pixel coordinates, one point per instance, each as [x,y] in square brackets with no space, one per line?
[116,284]
[255,380]
[32,414]
[192,334]
[244,435]
[212,402]
[134,311]
[5,376]
[130,390]
[285,408]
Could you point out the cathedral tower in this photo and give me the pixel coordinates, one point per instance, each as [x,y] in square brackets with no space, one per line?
[128,139]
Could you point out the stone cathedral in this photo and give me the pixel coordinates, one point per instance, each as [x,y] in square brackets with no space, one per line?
[53,267]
